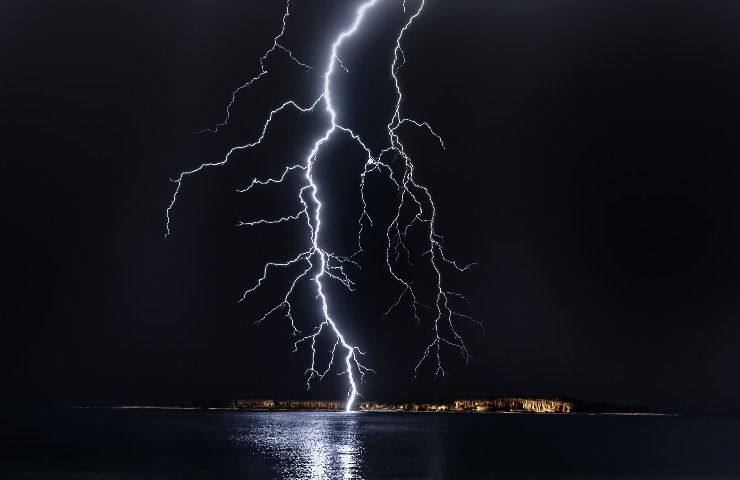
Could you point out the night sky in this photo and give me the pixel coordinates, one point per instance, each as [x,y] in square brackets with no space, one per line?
[591,170]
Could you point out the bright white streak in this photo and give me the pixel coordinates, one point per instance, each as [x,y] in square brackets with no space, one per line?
[410,192]
[351,350]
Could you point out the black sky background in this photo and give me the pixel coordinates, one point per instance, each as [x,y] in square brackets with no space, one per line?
[591,170]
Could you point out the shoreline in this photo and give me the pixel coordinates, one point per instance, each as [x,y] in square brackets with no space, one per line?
[284,410]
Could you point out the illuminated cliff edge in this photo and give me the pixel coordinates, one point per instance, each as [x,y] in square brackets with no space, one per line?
[503,404]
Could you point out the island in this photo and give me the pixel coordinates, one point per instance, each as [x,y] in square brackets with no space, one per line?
[493,404]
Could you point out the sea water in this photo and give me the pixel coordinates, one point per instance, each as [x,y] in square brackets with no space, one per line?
[181,444]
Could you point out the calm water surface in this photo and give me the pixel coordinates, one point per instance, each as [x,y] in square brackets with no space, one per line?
[123,444]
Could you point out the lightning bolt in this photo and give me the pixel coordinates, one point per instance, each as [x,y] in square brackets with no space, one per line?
[415,209]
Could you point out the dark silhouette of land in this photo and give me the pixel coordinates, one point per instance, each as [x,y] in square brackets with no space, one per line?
[497,404]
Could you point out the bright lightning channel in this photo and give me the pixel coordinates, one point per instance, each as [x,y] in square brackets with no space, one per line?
[411,194]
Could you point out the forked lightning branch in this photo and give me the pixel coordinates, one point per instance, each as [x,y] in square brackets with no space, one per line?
[414,209]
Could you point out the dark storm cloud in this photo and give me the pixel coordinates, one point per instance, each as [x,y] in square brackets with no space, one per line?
[590,170]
